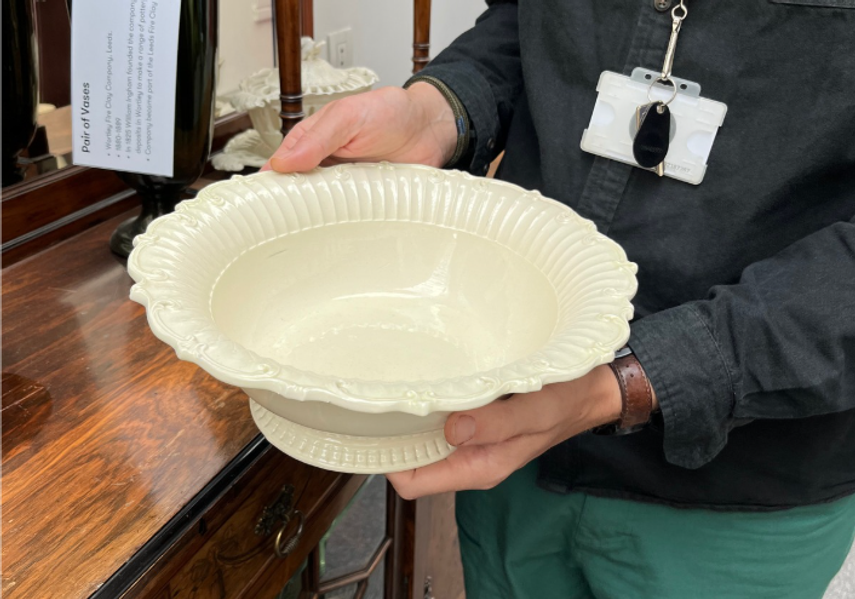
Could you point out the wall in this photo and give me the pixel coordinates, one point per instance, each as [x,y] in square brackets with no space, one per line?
[383,30]
[382,34]
[246,41]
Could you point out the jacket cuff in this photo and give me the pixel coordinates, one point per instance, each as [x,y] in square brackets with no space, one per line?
[693,385]
[476,96]
[461,118]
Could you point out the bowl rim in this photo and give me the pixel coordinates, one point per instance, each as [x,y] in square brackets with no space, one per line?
[234,364]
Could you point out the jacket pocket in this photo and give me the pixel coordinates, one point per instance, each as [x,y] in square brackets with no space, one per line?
[818,3]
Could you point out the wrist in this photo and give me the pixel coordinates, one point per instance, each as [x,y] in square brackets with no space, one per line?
[638,400]
[436,116]
[607,404]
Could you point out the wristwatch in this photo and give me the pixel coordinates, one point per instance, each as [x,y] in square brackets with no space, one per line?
[636,395]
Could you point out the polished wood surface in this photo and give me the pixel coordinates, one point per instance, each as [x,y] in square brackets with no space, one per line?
[39,202]
[68,225]
[272,579]
[106,434]
[398,561]
[40,212]
[289,54]
[427,554]
[235,562]
[53,32]
[307,15]
[421,34]
[442,556]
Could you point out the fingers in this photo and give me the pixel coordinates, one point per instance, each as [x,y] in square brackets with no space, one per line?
[501,420]
[469,467]
[501,437]
[316,138]
[288,143]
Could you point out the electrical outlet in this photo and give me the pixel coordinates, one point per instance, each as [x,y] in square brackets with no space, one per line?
[340,48]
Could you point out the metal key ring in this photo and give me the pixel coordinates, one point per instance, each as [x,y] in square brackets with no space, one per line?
[674,12]
[667,80]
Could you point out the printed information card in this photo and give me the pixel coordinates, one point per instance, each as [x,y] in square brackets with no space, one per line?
[123,63]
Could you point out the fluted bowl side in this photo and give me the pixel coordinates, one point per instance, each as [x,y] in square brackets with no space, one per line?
[178,262]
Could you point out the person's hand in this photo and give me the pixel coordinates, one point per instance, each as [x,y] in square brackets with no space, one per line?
[412,126]
[496,440]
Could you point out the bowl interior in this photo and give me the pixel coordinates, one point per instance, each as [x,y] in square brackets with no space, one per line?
[385,301]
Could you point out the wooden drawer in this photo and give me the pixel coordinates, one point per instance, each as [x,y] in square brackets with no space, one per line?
[222,557]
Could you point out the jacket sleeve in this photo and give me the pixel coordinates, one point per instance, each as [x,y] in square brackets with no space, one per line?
[778,344]
[482,67]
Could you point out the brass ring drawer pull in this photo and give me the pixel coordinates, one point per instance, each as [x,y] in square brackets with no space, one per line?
[282,511]
[285,545]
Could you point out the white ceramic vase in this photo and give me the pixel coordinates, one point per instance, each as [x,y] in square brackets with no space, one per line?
[258,95]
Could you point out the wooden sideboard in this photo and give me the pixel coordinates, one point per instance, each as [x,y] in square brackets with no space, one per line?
[129,473]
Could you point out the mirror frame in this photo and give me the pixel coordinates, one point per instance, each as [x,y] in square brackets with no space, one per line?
[45,210]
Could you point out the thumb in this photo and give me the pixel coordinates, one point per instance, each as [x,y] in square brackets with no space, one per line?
[315,139]
[503,419]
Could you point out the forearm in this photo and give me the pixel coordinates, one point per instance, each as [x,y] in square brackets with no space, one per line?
[778,344]
[482,68]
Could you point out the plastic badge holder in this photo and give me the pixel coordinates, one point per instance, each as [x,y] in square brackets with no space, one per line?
[694,122]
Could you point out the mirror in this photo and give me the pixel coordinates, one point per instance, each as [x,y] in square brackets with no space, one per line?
[36,76]
[246,45]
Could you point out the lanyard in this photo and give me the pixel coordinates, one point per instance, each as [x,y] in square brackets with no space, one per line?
[678,15]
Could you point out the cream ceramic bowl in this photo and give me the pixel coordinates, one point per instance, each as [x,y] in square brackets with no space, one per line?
[359,305]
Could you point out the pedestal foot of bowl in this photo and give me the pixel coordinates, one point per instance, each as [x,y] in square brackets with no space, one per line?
[350,453]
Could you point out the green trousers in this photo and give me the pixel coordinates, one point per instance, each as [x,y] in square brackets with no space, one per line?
[518,541]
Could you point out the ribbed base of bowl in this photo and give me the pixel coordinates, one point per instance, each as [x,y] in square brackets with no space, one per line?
[347,453]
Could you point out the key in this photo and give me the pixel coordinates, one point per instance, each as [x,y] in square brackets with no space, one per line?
[652,136]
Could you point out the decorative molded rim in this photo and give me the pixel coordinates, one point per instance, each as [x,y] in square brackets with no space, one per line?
[179,256]
[350,453]
[262,88]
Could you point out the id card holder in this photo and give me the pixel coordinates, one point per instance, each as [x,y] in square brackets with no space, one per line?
[695,121]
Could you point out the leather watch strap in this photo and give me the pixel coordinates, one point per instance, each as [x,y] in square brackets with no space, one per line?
[636,397]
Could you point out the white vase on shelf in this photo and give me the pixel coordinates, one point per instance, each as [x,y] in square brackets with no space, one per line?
[258,96]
